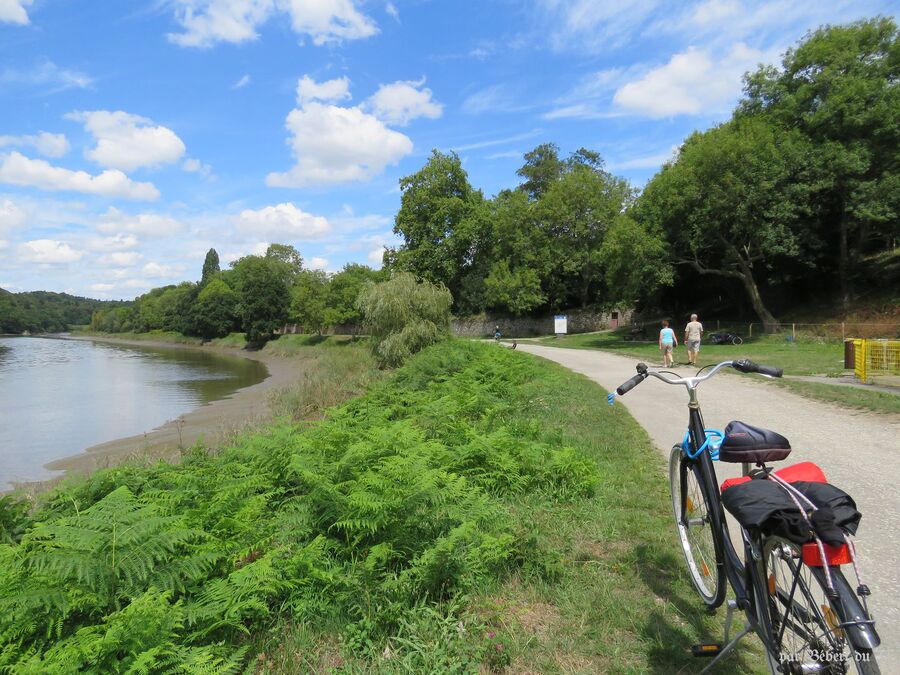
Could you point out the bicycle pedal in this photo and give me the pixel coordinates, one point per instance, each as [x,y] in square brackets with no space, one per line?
[706,650]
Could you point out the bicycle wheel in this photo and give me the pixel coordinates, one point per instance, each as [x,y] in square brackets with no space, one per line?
[737,340]
[804,623]
[699,540]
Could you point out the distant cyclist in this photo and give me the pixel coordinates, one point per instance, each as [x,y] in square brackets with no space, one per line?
[497,333]
[667,344]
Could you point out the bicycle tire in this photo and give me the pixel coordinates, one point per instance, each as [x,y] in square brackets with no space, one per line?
[737,340]
[700,541]
[803,626]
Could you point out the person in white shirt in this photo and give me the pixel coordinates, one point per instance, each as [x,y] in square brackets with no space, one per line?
[692,334]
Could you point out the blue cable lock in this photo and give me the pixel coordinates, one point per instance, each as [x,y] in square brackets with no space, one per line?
[713,441]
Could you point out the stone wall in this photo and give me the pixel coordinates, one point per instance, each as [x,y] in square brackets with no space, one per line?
[579,321]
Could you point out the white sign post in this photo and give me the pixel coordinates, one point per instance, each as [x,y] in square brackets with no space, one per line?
[560,325]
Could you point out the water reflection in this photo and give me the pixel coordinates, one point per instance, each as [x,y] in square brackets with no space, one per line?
[58,397]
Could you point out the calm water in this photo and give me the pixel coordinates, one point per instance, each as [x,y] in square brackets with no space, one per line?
[58,397]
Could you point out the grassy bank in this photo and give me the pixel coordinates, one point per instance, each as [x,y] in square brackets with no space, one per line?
[477,510]
[844,396]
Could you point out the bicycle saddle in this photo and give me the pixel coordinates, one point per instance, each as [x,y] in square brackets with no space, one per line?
[754,445]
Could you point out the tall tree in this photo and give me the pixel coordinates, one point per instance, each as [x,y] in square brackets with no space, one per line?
[575,213]
[440,236]
[210,266]
[731,202]
[308,300]
[264,296]
[839,87]
[542,168]
[215,311]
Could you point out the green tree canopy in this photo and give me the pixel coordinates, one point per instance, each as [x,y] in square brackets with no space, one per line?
[264,296]
[210,266]
[839,87]
[308,300]
[215,311]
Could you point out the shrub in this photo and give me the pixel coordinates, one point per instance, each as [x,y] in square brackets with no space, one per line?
[404,316]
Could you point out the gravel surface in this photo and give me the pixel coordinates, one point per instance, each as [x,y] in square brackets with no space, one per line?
[858,451]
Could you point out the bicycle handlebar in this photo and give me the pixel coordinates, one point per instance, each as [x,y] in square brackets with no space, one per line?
[747,366]
[743,365]
[642,375]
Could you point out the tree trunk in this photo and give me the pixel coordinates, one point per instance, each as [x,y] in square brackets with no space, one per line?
[843,264]
[770,325]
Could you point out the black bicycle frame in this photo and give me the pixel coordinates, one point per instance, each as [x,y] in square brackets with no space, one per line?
[734,566]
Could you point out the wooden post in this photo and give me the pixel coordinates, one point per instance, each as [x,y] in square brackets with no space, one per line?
[793,332]
[843,332]
[717,324]
[751,331]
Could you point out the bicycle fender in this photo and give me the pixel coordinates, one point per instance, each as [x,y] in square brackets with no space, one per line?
[855,622]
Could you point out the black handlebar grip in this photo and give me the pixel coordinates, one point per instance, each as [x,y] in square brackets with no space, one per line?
[747,366]
[771,371]
[625,387]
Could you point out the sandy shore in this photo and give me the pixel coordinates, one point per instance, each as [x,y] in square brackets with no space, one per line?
[213,422]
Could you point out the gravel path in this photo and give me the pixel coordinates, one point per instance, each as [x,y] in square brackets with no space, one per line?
[859,452]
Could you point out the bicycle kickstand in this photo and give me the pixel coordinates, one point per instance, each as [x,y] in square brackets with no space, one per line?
[718,651]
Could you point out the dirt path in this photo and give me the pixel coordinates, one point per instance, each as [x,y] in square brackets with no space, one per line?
[859,452]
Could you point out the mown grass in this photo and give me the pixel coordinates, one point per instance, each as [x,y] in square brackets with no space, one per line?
[845,396]
[797,358]
[478,510]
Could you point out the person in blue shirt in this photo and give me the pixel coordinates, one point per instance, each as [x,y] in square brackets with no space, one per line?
[667,344]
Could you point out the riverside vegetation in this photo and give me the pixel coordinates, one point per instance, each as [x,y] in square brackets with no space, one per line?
[476,508]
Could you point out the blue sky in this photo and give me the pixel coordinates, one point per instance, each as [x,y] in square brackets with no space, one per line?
[134,135]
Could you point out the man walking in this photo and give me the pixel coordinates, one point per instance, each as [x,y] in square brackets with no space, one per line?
[692,334]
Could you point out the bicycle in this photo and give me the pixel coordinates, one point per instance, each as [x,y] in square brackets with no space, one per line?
[726,339]
[794,596]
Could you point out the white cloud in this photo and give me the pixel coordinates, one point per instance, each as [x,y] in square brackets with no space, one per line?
[318,264]
[16,169]
[102,287]
[153,270]
[401,102]
[589,25]
[13,11]
[128,142]
[46,75]
[50,145]
[121,258]
[330,91]
[207,22]
[338,145]
[647,161]
[11,215]
[48,252]
[493,99]
[241,83]
[3,244]
[392,11]
[283,222]
[119,242]
[192,165]
[376,257]
[692,82]
[115,221]
[328,20]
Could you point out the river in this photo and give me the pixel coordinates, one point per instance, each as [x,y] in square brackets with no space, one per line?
[58,397]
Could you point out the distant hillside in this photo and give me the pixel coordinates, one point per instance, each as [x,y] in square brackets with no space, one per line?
[45,312]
